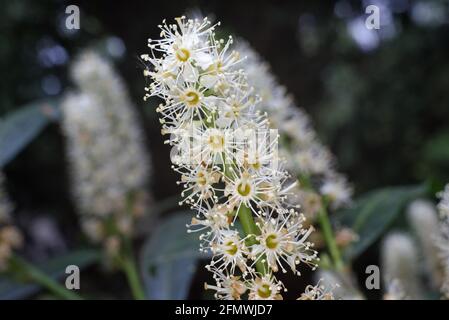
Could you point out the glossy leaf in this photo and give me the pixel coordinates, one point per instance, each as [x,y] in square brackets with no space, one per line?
[169,258]
[373,213]
[20,127]
[55,267]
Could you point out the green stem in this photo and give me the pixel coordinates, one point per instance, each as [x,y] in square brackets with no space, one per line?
[250,228]
[328,234]
[129,268]
[38,276]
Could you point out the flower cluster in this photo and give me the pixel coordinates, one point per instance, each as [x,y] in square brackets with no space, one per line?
[306,156]
[402,253]
[423,218]
[226,151]
[317,292]
[395,291]
[107,156]
[443,239]
[10,237]
[400,264]
[443,205]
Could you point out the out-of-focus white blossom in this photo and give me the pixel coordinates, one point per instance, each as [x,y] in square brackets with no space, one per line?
[305,155]
[226,152]
[109,165]
[318,292]
[443,205]
[443,243]
[337,191]
[10,236]
[399,257]
[395,291]
[443,240]
[343,286]
[424,219]
[5,204]
[345,236]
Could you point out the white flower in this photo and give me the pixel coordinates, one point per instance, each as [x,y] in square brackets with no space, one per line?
[342,284]
[10,237]
[284,241]
[105,147]
[227,155]
[229,287]
[315,159]
[266,287]
[211,222]
[443,245]
[400,261]
[229,251]
[306,156]
[423,217]
[198,184]
[443,205]
[337,190]
[395,291]
[442,240]
[5,205]
[183,46]
[317,292]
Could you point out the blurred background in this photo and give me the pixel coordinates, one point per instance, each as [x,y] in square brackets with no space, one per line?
[378,98]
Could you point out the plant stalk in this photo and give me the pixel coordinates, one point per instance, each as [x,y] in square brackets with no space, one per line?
[130,269]
[329,237]
[39,277]
[250,228]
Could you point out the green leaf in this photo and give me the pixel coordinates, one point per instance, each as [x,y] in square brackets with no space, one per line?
[169,258]
[373,213]
[20,127]
[12,289]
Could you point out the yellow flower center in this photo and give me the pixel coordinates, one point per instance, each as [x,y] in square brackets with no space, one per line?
[216,142]
[236,108]
[201,179]
[215,68]
[182,54]
[231,248]
[192,98]
[264,291]
[271,241]
[244,188]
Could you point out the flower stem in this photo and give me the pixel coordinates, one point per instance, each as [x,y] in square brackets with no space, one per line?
[39,277]
[250,228]
[329,237]
[129,268]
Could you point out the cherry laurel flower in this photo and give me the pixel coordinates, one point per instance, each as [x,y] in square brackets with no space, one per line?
[10,236]
[399,258]
[226,151]
[317,292]
[395,291]
[442,240]
[423,217]
[306,155]
[108,160]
